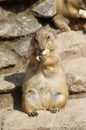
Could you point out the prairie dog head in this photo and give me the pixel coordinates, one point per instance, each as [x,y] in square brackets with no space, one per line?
[45,38]
[82,4]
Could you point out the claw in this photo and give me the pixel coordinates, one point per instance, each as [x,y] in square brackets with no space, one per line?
[32,114]
[52,110]
[40,58]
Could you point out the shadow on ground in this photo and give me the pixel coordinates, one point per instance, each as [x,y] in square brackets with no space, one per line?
[17,80]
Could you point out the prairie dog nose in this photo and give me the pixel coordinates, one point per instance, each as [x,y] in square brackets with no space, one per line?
[42,49]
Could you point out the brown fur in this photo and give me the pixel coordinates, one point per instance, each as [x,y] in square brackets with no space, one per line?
[67,9]
[44,85]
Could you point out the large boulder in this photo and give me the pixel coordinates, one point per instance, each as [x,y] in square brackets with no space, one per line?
[22,48]
[4,14]
[71,44]
[10,82]
[46,8]
[19,25]
[6,86]
[7,58]
[75,70]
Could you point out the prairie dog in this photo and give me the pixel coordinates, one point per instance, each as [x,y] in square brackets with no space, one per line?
[44,85]
[68,9]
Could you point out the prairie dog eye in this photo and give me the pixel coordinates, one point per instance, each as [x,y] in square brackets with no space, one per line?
[48,37]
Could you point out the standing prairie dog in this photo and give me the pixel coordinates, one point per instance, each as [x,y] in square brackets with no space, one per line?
[69,9]
[44,85]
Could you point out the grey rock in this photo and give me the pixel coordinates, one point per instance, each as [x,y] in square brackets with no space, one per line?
[23,46]
[6,86]
[45,8]
[71,44]
[72,117]
[7,58]
[9,82]
[4,14]
[19,25]
[75,70]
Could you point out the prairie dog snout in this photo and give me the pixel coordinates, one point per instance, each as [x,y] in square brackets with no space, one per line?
[41,53]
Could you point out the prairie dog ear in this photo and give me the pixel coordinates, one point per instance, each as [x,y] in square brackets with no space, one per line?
[52,30]
[54,33]
[47,27]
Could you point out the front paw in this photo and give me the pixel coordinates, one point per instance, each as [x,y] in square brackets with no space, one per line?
[32,114]
[42,54]
[40,58]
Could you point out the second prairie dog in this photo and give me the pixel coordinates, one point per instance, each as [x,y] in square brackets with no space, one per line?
[68,9]
[44,85]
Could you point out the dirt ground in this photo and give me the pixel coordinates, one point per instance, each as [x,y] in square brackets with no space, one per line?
[72,117]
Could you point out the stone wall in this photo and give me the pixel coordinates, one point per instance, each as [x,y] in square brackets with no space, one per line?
[18,22]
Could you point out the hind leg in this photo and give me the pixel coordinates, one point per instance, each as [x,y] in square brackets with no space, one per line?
[61,22]
[58,101]
[30,103]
